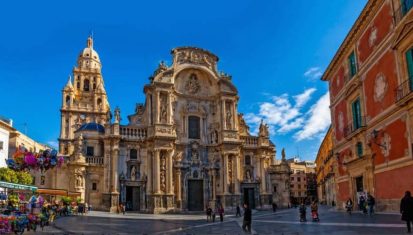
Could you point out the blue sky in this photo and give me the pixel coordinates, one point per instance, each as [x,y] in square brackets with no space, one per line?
[275,50]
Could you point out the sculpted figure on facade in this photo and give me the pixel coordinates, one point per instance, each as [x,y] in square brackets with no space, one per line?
[192,85]
[133,173]
[163,173]
[117,115]
[163,109]
[228,117]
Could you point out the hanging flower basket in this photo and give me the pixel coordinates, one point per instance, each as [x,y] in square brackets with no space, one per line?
[43,161]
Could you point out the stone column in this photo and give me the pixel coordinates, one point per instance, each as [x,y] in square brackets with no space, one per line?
[169,170]
[156,171]
[178,185]
[115,156]
[214,188]
[223,119]
[262,176]
[149,166]
[225,174]
[237,173]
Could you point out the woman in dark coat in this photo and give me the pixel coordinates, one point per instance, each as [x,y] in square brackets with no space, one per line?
[406,209]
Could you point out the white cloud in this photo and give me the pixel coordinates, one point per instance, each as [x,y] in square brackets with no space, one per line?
[302,99]
[318,121]
[313,73]
[280,114]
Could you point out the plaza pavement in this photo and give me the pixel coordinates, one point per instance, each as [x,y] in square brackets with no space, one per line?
[284,222]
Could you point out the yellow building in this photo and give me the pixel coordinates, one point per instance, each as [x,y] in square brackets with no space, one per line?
[325,163]
[300,170]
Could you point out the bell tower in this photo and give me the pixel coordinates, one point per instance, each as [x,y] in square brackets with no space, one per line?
[84,98]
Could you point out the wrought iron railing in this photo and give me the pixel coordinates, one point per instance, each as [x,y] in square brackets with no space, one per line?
[354,126]
[404,89]
[404,8]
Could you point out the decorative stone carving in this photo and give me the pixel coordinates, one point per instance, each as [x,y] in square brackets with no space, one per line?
[230,169]
[340,121]
[386,141]
[195,57]
[192,85]
[380,87]
[194,152]
[373,36]
[163,172]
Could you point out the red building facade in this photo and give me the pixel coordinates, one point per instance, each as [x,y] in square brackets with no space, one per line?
[371,83]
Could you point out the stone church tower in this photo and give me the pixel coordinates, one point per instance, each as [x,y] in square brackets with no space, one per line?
[84,100]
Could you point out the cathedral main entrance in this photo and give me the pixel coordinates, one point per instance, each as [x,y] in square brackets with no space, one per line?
[249,197]
[195,195]
[132,198]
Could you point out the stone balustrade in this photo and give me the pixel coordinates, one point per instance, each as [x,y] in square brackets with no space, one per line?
[133,132]
[250,141]
[96,160]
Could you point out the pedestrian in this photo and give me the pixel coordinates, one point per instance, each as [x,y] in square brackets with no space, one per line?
[209,213]
[213,215]
[274,207]
[362,204]
[406,209]
[90,207]
[370,203]
[246,225]
[238,211]
[314,211]
[302,211]
[221,213]
[80,209]
[349,205]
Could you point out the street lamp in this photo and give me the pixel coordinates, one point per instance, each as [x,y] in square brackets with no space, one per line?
[374,134]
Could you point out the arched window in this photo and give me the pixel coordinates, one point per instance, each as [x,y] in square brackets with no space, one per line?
[247,160]
[78,85]
[133,154]
[67,100]
[194,127]
[86,84]
[99,102]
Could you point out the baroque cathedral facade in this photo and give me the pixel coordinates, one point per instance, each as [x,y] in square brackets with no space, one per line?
[185,148]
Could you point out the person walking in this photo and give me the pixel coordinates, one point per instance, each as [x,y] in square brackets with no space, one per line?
[238,211]
[370,203]
[221,213]
[406,209]
[246,225]
[362,204]
[274,207]
[314,211]
[349,205]
[209,213]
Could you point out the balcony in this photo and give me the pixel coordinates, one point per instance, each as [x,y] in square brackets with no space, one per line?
[133,132]
[94,160]
[405,7]
[250,141]
[404,89]
[351,129]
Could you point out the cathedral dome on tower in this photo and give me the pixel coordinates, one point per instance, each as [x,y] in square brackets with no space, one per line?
[88,57]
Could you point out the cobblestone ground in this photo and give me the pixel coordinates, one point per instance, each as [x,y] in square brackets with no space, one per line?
[264,222]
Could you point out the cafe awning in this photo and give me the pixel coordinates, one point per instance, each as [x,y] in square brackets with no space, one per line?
[55,192]
[8,185]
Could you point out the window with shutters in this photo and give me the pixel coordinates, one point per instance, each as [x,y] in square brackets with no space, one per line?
[356,110]
[409,61]
[352,64]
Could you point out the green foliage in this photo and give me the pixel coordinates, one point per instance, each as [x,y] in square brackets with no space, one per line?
[66,200]
[18,177]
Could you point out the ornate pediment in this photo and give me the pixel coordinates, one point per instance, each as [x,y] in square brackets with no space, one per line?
[193,55]
[402,33]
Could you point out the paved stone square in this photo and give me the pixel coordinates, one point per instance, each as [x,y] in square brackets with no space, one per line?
[284,222]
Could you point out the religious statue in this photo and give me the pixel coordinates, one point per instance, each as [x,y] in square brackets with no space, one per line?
[248,175]
[79,182]
[117,115]
[263,129]
[163,173]
[163,112]
[228,116]
[192,85]
[133,173]
[283,154]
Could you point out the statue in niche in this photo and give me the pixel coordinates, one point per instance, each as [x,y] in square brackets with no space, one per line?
[133,173]
[248,175]
[163,110]
[230,169]
[192,85]
[214,137]
[228,116]
[194,152]
[79,181]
